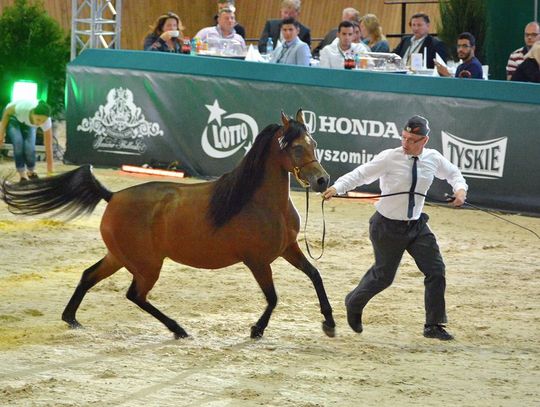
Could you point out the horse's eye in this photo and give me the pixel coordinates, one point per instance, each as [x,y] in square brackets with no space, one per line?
[298,151]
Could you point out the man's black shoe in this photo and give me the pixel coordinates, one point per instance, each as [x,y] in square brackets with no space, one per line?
[437,332]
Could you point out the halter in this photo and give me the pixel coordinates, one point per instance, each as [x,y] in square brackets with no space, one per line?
[296,172]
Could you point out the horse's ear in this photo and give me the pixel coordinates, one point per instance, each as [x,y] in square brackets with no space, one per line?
[284,119]
[300,116]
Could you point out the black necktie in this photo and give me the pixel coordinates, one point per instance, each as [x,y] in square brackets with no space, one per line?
[282,54]
[411,191]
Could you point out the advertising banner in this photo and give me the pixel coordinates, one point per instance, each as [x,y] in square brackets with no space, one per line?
[208,123]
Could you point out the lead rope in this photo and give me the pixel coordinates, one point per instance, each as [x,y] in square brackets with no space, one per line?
[323,228]
[449,198]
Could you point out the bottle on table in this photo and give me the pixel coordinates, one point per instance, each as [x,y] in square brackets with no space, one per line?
[269,46]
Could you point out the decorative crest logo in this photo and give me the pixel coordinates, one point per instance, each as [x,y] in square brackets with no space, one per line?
[225,140]
[119,126]
[475,159]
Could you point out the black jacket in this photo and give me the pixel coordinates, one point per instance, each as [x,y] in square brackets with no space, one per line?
[432,44]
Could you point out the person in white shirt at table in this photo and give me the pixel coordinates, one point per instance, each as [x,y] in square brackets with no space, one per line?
[333,55]
[292,51]
[399,225]
[224,28]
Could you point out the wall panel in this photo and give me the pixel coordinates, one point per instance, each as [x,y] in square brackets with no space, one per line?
[319,15]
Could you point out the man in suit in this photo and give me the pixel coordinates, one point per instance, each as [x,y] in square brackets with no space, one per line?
[272,28]
[291,50]
[419,41]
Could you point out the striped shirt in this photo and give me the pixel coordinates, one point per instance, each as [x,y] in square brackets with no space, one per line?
[515,59]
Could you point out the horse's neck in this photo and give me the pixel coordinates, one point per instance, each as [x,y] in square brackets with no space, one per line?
[274,190]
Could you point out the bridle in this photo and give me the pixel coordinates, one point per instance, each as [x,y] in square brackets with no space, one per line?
[296,173]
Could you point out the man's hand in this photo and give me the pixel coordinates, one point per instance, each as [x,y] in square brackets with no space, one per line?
[329,193]
[459,197]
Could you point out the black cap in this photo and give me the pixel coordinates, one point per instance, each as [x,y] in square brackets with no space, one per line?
[417,125]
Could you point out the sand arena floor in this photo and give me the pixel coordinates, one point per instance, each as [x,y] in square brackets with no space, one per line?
[124,357]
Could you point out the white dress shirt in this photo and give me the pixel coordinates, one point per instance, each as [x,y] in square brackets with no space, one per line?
[332,56]
[394,169]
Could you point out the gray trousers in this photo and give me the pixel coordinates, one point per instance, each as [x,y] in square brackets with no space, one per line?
[390,239]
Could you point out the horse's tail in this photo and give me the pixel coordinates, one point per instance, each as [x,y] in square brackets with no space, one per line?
[71,194]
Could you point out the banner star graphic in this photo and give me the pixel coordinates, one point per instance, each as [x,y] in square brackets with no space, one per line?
[215,112]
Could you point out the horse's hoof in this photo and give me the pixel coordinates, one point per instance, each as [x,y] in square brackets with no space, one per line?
[328,330]
[256,332]
[74,324]
[181,335]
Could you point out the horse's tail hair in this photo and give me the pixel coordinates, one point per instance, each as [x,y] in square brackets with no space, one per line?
[72,194]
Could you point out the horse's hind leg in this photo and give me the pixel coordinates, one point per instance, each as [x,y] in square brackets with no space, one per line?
[137,293]
[90,277]
[294,255]
[263,275]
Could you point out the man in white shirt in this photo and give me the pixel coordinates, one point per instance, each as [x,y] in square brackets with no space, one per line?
[333,55]
[224,28]
[399,225]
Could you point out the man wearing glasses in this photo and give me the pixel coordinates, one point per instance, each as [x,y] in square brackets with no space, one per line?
[471,66]
[532,34]
[399,225]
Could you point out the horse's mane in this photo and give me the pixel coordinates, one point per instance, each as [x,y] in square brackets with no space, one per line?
[232,191]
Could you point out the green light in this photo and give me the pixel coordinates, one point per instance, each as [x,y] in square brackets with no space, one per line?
[24,90]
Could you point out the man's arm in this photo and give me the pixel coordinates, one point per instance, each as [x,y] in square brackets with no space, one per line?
[263,40]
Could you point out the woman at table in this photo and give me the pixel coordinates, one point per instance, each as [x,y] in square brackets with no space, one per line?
[164,34]
[529,69]
[372,35]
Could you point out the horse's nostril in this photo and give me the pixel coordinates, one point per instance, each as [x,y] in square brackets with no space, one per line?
[323,182]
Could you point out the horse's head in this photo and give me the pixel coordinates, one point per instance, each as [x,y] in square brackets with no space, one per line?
[301,160]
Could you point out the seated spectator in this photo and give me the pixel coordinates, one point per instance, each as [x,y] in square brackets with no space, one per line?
[348,14]
[291,50]
[240,30]
[164,35]
[333,55]
[532,34]
[529,69]
[471,66]
[224,28]
[372,35]
[272,28]
[419,41]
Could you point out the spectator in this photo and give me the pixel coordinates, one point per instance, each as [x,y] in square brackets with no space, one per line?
[164,34]
[471,66]
[292,50]
[532,34]
[419,41]
[333,55]
[20,120]
[348,14]
[372,35]
[529,69]
[224,28]
[240,30]
[272,28]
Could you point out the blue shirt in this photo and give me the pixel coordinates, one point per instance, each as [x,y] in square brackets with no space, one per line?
[471,69]
[295,52]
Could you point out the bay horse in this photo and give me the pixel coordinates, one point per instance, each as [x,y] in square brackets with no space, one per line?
[244,216]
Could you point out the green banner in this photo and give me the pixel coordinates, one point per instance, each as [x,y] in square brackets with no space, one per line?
[122,116]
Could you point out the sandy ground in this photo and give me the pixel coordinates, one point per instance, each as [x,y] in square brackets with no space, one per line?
[124,357]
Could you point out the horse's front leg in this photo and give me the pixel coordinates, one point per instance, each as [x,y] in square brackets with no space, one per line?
[294,255]
[263,275]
